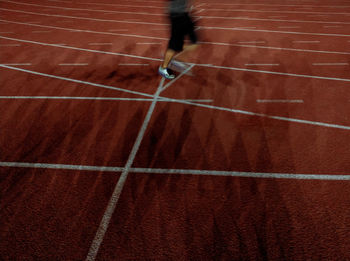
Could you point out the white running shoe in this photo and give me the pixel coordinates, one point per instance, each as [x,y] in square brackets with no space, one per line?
[166,73]
[179,67]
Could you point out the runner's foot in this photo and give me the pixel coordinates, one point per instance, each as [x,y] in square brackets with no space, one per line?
[166,73]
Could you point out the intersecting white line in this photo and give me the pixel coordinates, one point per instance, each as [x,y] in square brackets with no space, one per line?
[101,231]
[312,123]
[178,171]
[96,98]
[204,65]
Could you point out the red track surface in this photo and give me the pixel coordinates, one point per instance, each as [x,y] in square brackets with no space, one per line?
[244,173]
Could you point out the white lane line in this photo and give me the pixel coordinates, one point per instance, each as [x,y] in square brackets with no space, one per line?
[80,18]
[73,64]
[206,17]
[94,248]
[133,64]
[203,65]
[273,20]
[271,31]
[95,98]
[197,19]
[251,42]
[177,171]
[199,11]
[241,27]
[200,5]
[84,9]
[312,123]
[276,11]
[279,101]
[122,5]
[160,29]
[100,44]
[7,32]
[72,30]
[39,32]
[306,41]
[14,64]
[329,64]
[10,45]
[262,64]
[159,38]
[288,5]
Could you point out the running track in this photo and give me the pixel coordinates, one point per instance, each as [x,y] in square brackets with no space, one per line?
[244,156]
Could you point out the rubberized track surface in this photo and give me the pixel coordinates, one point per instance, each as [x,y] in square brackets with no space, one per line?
[247,159]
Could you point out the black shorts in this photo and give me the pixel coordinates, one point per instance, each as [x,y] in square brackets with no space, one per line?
[181,26]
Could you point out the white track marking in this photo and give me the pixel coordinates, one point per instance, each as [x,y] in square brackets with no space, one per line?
[95,98]
[84,9]
[262,64]
[277,11]
[73,64]
[7,32]
[122,5]
[330,64]
[313,123]
[271,31]
[200,5]
[239,27]
[273,20]
[306,41]
[177,171]
[204,65]
[166,39]
[279,101]
[94,248]
[89,31]
[133,64]
[288,5]
[200,11]
[80,18]
[15,64]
